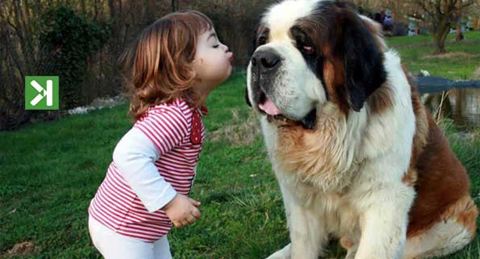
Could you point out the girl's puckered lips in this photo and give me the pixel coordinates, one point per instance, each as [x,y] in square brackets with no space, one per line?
[231,58]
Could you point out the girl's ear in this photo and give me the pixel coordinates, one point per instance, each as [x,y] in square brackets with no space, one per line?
[195,64]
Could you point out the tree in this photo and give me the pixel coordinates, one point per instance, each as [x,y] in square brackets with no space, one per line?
[442,14]
[459,34]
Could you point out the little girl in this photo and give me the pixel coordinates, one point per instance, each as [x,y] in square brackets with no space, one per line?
[173,66]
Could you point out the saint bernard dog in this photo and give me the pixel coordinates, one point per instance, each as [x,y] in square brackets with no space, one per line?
[356,154]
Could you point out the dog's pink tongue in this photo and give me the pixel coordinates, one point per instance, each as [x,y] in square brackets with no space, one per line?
[269,108]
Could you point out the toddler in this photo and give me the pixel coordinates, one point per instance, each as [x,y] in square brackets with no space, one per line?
[172,67]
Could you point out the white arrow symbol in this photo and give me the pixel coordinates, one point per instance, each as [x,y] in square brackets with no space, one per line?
[46,92]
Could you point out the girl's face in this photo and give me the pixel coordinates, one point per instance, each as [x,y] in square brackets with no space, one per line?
[212,61]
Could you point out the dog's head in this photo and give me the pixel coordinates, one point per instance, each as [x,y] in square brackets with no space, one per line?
[308,52]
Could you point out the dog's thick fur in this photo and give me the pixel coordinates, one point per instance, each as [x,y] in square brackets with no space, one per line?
[373,170]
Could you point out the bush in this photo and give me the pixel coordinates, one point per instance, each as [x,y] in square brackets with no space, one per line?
[66,41]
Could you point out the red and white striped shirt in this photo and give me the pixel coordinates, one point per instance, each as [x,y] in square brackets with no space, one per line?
[151,163]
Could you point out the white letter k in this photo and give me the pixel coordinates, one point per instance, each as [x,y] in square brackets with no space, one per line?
[47,92]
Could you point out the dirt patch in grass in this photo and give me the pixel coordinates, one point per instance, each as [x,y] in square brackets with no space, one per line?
[241,131]
[450,55]
[21,249]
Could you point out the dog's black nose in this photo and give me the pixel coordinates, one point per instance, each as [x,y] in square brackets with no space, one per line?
[265,59]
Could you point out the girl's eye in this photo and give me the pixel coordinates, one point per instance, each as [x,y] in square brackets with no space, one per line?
[216,46]
[308,48]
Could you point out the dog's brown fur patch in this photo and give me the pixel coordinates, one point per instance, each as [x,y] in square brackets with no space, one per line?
[333,72]
[380,100]
[421,131]
[465,211]
[410,177]
[442,181]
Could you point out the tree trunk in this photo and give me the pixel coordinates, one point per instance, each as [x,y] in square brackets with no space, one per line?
[459,34]
[111,7]
[95,10]
[84,7]
[440,35]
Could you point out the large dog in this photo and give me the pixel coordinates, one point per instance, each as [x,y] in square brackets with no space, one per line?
[356,154]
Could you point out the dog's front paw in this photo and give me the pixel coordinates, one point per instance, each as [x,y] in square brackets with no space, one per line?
[282,254]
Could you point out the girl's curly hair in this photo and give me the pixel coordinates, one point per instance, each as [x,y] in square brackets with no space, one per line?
[157,67]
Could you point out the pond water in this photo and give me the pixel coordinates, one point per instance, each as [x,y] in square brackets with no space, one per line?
[461,105]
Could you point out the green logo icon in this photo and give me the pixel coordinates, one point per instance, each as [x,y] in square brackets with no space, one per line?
[41,93]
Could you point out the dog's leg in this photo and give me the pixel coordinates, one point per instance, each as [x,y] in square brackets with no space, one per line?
[454,230]
[307,232]
[349,245]
[384,221]
[282,254]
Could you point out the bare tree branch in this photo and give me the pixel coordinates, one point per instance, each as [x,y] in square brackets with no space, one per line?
[442,13]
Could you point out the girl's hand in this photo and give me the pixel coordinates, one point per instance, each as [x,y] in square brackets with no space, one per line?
[182,210]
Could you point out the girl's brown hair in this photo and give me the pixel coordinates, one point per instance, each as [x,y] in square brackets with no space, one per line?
[157,67]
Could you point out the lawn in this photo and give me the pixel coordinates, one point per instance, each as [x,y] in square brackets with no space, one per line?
[50,171]
[460,62]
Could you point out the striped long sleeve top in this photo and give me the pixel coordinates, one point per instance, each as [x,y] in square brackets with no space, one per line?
[153,162]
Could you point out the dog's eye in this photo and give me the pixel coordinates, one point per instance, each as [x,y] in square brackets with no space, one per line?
[262,40]
[303,42]
[308,49]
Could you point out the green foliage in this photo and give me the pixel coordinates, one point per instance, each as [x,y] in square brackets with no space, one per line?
[66,41]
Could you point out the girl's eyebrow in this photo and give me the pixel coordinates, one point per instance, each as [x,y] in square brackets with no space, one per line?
[213,34]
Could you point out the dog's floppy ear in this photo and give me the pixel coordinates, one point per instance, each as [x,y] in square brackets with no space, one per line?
[362,59]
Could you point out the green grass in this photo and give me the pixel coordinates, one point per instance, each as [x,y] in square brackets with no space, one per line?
[463,60]
[50,171]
